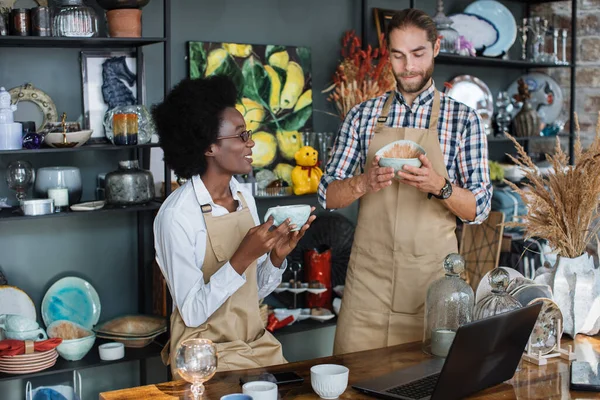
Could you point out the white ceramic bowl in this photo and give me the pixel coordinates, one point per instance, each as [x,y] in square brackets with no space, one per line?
[55,139]
[399,163]
[329,381]
[72,349]
[260,390]
[51,177]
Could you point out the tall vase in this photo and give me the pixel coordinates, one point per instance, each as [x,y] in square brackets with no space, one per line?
[527,122]
[575,283]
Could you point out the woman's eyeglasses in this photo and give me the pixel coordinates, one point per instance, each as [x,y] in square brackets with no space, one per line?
[245,136]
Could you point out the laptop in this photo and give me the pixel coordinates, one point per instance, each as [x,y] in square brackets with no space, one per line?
[484,353]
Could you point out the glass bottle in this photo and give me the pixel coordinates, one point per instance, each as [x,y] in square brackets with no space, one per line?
[499,301]
[449,35]
[75,19]
[449,304]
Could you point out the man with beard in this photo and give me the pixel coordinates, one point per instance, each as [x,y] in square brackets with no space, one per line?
[406,223]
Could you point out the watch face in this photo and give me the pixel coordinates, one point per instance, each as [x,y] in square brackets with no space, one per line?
[446,190]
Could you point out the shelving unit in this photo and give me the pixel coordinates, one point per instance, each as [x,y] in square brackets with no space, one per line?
[487,62]
[140,152]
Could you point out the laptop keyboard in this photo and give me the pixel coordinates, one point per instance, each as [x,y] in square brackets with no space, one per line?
[418,389]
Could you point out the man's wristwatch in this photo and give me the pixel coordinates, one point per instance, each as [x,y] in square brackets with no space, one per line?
[444,193]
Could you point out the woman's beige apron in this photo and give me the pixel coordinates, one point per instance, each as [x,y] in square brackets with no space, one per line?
[399,245]
[236,327]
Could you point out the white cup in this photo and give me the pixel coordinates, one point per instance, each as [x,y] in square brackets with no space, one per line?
[260,390]
[329,381]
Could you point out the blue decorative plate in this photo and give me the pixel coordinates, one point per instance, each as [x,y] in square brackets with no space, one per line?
[501,18]
[475,29]
[73,299]
[546,96]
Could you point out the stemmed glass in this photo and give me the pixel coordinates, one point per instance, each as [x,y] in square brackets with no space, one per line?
[196,362]
[20,176]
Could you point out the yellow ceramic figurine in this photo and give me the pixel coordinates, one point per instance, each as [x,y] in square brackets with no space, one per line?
[306,175]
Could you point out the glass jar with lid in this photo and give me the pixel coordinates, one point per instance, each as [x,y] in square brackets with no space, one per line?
[74,19]
[449,35]
[499,301]
[449,304]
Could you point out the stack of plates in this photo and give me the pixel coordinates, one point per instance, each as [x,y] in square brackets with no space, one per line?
[132,330]
[28,363]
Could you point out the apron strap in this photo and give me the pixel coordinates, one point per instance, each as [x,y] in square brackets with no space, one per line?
[435,112]
[386,110]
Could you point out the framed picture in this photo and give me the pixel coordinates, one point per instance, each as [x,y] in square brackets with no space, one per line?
[382,20]
[109,78]
[274,85]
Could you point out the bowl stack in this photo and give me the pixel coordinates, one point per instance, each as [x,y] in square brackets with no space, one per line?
[28,363]
[132,330]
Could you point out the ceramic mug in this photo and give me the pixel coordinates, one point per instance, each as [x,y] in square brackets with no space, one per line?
[260,390]
[35,335]
[298,215]
[17,323]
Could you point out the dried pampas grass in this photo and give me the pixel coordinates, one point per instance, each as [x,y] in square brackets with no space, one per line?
[562,206]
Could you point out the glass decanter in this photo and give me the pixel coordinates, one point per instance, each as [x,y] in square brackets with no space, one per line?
[196,362]
[499,301]
[20,176]
[449,35]
[75,19]
[449,304]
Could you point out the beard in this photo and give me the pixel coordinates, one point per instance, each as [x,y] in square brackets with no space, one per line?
[416,85]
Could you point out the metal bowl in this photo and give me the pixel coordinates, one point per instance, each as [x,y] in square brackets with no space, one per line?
[37,206]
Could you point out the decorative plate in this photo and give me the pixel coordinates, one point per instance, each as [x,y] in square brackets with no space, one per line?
[41,99]
[474,93]
[499,16]
[89,206]
[475,29]
[15,301]
[546,96]
[544,336]
[73,299]
[527,293]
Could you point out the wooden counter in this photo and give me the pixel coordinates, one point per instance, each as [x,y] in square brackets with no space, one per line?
[530,382]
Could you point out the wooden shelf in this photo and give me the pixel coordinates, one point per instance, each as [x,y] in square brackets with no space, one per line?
[92,359]
[85,147]
[452,59]
[14,213]
[79,43]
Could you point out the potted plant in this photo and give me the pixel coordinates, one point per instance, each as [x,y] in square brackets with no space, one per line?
[563,210]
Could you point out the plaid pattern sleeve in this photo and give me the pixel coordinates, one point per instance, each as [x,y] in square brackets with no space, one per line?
[346,154]
[472,162]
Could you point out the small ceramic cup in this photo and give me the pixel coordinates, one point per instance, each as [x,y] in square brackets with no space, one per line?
[260,390]
[17,323]
[329,381]
[236,396]
[35,335]
[298,215]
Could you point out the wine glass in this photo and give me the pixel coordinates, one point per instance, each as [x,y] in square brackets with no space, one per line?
[20,176]
[196,362]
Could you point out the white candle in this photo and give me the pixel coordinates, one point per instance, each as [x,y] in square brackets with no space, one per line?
[60,196]
[441,340]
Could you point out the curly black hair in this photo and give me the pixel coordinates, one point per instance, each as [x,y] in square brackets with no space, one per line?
[188,121]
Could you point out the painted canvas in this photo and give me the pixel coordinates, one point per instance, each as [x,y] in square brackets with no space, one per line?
[274,95]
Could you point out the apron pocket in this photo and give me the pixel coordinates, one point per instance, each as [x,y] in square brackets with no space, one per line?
[412,278]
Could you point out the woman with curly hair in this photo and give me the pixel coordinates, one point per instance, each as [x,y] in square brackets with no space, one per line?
[217,259]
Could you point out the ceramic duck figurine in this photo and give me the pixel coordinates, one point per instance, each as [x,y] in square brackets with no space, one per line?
[306,175]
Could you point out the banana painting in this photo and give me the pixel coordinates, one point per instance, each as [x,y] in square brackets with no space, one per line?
[274,95]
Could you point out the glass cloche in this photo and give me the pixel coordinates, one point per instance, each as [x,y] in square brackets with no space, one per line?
[449,35]
[499,301]
[449,304]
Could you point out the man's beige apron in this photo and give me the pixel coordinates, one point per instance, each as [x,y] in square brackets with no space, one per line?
[399,245]
[236,327]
